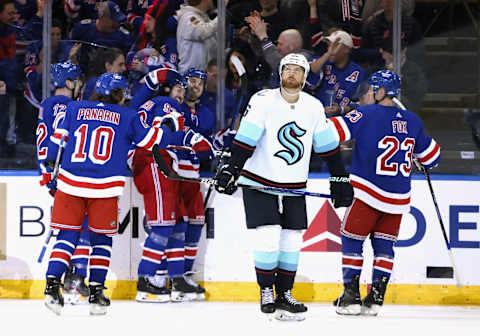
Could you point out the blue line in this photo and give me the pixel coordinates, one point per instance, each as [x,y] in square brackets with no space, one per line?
[19,173]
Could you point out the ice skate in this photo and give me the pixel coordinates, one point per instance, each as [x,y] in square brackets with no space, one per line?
[372,303]
[98,302]
[200,289]
[182,290]
[152,289]
[288,308]
[75,291]
[349,302]
[53,296]
[267,301]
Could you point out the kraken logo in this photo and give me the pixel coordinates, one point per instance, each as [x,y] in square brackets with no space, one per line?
[288,136]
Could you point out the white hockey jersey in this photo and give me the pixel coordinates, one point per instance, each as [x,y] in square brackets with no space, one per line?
[282,136]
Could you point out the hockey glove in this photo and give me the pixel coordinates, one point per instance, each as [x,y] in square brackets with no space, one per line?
[341,191]
[199,144]
[224,138]
[191,120]
[161,76]
[226,179]
[173,120]
[174,138]
[47,176]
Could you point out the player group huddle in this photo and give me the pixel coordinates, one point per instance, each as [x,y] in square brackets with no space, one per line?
[82,157]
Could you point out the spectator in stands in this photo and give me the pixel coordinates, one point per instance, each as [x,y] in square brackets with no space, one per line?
[8,67]
[81,9]
[276,20]
[196,39]
[109,60]
[341,76]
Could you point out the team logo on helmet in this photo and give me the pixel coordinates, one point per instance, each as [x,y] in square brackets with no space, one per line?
[62,71]
[108,82]
[387,79]
[288,137]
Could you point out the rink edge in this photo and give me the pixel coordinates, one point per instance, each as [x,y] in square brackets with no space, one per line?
[248,292]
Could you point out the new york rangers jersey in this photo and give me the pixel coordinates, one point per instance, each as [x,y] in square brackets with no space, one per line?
[51,112]
[98,137]
[339,84]
[282,136]
[387,139]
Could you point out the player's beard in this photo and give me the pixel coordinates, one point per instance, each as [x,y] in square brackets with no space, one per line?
[291,84]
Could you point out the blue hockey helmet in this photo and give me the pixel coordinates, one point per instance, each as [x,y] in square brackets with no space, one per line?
[62,71]
[387,79]
[108,82]
[192,72]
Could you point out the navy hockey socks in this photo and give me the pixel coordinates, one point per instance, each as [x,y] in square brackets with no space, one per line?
[176,251]
[192,237]
[383,258]
[100,257]
[284,280]
[61,253]
[352,258]
[82,252]
[154,250]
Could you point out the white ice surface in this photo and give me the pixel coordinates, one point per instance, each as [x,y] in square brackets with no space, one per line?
[30,317]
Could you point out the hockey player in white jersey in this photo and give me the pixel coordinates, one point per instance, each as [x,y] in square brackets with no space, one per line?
[272,147]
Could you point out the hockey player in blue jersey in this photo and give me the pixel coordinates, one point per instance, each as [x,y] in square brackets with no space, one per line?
[98,135]
[273,147]
[387,139]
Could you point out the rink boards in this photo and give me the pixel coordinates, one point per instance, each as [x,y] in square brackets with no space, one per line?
[225,265]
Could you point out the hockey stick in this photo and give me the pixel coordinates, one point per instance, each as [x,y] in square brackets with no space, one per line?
[174,176]
[56,169]
[437,209]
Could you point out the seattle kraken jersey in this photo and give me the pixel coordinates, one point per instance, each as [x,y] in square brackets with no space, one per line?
[387,138]
[98,137]
[340,84]
[51,112]
[282,135]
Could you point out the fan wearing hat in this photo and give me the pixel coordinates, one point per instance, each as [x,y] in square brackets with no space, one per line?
[341,76]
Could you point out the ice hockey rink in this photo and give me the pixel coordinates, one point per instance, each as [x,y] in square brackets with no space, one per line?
[30,317]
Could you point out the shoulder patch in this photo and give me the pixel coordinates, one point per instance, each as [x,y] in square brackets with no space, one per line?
[86,21]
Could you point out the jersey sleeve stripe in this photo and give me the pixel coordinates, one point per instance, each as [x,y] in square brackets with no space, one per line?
[243,145]
[325,140]
[151,138]
[249,133]
[430,154]
[342,128]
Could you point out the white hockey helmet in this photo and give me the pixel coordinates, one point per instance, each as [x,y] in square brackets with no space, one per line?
[297,59]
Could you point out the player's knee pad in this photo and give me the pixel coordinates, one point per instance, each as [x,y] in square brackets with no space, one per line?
[69,236]
[158,236]
[383,247]
[266,238]
[290,245]
[352,246]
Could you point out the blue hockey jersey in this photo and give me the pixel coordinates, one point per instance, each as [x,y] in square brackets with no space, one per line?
[51,112]
[386,140]
[98,137]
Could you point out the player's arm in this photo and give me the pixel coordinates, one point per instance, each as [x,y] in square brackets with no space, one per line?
[426,150]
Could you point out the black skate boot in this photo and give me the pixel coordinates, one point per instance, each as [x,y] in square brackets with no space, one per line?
[53,296]
[289,309]
[98,302]
[151,289]
[200,290]
[374,300]
[267,300]
[349,302]
[182,290]
[74,287]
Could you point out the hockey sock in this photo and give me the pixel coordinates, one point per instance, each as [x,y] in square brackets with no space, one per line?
[82,252]
[383,258]
[154,249]
[61,253]
[266,267]
[352,258]
[192,237]
[100,257]
[290,244]
[176,251]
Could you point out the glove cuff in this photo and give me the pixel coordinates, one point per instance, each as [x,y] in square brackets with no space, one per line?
[339,179]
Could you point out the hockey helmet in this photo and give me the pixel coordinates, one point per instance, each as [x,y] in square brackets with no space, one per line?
[297,59]
[387,79]
[192,72]
[108,82]
[62,71]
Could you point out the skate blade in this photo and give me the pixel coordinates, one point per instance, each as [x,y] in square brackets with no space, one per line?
[200,297]
[75,299]
[97,310]
[52,305]
[283,315]
[370,311]
[182,297]
[354,309]
[152,298]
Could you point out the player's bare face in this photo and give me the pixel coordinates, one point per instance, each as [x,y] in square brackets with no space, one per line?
[178,93]
[195,88]
[292,77]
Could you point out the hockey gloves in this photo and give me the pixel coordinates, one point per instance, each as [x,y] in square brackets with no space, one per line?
[341,191]
[224,138]
[191,120]
[173,120]
[226,179]
[161,76]
[199,144]
[47,176]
